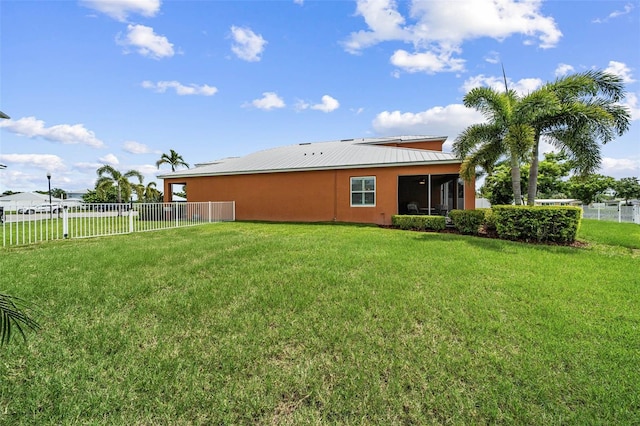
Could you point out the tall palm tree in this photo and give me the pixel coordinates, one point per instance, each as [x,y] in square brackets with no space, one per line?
[108,177]
[173,159]
[585,111]
[504,134]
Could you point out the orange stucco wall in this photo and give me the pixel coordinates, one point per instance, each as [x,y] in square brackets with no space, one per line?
[309,196]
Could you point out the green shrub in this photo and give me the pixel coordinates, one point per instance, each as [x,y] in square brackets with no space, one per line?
[418,222]
[467,221]
[558,224]
[489,222]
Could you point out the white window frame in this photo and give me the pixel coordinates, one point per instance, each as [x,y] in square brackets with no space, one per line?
[363,191]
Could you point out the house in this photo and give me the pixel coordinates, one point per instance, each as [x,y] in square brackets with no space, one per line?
[353,180]
[25,199]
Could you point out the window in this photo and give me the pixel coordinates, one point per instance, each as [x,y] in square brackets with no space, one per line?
[363,191]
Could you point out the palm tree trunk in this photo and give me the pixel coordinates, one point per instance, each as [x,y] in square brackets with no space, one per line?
[515,180]
[532,190]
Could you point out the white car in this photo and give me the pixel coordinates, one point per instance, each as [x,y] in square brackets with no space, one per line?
[40,208]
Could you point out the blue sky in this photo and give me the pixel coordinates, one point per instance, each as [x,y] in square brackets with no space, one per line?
[120,82]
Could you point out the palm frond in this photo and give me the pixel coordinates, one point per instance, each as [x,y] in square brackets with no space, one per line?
[11,316]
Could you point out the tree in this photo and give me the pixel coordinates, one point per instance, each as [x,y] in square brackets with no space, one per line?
[58,193]
[584,110]
[553,170]
[109,178]
[627,188]
[151,193]
[505,133]
[12,316]
[173,159]
[589,188]
[497,185]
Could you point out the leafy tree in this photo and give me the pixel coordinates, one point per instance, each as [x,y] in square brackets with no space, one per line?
[506,133]
[627,188]
[553,170]
[9,193]
[589,188]
[497,185]
[109,178]
[107,196]
[173,159]
[12,316]
[582,109]
[58,193]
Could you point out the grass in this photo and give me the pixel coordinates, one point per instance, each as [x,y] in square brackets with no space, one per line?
[249,323]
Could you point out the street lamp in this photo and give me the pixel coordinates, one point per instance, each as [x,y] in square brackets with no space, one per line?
[50,207]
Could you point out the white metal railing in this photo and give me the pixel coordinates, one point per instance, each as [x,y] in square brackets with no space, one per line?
[27,224]
[620,213]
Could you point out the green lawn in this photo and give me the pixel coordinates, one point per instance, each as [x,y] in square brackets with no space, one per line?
[249,323]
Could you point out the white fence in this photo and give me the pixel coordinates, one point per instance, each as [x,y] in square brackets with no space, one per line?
[32,224]
[619,213]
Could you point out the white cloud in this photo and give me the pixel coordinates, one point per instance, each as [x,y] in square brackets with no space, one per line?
[439,28]
[109,159]
[620,167]
[621,69]
[247,45]
[563,69]
[492,57]
[522,87]
[616,13]
[134,147]
[300,2]
[146,42]
[268,101]
[120,9]
[437,121]
[428,62]
[47,162]
[631,102]
[182,90]
[328,104]
[63,133]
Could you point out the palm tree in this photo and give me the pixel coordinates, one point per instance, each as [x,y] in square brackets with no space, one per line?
[173,159]
[585,110]
[505,133]
[108,177]
[151,193]
[12,316]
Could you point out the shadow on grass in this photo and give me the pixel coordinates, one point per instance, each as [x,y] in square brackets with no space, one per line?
[497,244]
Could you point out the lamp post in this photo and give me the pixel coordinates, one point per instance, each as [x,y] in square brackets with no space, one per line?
[50,207]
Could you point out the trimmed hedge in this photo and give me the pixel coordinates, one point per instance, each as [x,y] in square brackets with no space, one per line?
[557,224]
[489,222]
[467,221]
[418,222]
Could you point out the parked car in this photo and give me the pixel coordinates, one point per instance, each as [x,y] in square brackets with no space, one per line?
[40,208]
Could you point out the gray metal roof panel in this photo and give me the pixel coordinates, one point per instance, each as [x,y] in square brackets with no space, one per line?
[322,155]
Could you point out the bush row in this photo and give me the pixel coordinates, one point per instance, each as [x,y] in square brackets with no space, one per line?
[419,222]
[547,224]
[556,224]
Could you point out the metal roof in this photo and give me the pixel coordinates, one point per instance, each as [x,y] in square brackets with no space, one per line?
[346,153]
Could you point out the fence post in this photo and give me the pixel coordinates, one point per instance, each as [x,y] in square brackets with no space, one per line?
[234,211]
[209,211]
[131,220]
[65,222]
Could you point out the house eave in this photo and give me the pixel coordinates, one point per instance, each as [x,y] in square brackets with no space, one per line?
[307,169]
